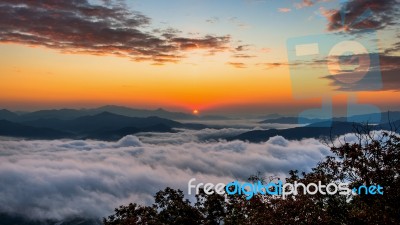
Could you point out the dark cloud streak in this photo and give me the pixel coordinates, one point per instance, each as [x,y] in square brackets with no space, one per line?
[237,65]
[383,13]
[108,29]
[390,71]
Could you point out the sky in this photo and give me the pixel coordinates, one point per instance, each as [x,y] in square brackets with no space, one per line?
[211,56]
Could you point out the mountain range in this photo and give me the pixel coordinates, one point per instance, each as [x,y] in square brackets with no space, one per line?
[114,122]
[67,114]
[55,124]
[383,117]
[315,130]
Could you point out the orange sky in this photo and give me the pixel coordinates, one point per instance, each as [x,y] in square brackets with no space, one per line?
[242,67]
[43,78]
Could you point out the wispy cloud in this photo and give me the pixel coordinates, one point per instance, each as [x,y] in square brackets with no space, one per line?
[273,65]
[235,21]
[100,29]
[284,10]
[241,48]
[305,3]
[389,69]
[265,50]
[238,65]
[308,3]
[394,49]
[243,52]
[243,56]
[213,20]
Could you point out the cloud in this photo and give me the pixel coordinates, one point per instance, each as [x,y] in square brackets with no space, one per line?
[393,49]
[242,52]
[243,56]
[353,138]
[265,50]
[105,29]
[235,21]
[238,65]
[184,135]
[241,48]
[354,15]
[284,10]
[217,44]
[389,68]
[213,20]
[304,3]
[273,65]
[307,3]
[66,178]
[240,124]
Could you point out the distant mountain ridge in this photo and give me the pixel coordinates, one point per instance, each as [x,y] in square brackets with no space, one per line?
[12,129]
[68,114]
[101,121]
[315,130]
[104,126]
[384,117]
[8,115]
[291,120]
[125,111]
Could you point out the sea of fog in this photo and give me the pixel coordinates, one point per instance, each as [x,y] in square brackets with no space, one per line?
[58,179]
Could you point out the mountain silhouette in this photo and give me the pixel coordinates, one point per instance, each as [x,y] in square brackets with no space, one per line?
[114,135]
[125,111]
[110,121]
[63,114]
[291,120]
[325,129]
[297,133]
[12,129]
[8,115]
[383,117]
[104,126]
[68,114]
